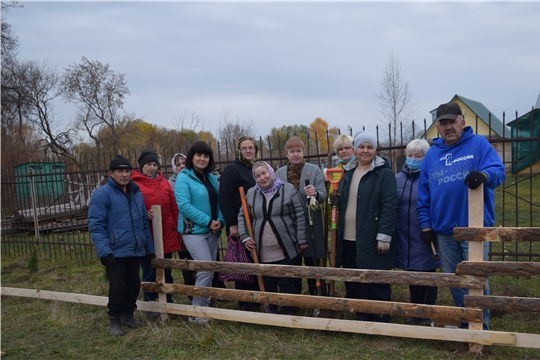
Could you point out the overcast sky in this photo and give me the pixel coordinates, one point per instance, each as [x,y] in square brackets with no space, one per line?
[285,63]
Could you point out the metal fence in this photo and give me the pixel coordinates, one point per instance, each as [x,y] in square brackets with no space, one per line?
[47,211]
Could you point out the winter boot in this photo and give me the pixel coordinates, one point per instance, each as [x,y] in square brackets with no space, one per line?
[128,320]
[115,326]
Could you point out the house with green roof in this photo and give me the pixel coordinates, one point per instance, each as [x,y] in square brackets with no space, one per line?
[483,122]
[526,151]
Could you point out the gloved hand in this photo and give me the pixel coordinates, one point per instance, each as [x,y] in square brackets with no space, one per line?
[333,199]
[429,237]
[383,247]
[107,260]
[151,256]
[474,179]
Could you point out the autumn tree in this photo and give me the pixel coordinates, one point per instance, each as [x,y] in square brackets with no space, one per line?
[396,104]
[318,130]
[279,136]
[99,94]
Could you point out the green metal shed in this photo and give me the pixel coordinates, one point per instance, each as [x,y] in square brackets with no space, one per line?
[48,182]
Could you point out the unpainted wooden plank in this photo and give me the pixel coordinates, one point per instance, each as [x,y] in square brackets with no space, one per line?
[503,303]
[498,268]
[497,234]
[359,327]
[435,312]
[325,273]
[158,248]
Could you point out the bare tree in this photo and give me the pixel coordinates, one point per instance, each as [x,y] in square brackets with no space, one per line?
[195,122]
[9,41]
[396,102]
[41,90]
[230,131]
[99,94]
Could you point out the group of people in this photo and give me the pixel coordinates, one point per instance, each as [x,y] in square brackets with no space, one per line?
[385,220]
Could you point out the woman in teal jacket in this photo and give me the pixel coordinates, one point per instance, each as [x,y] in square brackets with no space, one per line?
[200,220]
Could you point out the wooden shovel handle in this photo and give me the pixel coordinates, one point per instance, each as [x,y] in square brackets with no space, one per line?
[247,219]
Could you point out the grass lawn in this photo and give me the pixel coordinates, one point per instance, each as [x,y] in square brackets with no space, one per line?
[44,329]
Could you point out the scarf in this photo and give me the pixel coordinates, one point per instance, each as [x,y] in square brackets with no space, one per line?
[151,177]
[275,182]
[294,173]
[243,160]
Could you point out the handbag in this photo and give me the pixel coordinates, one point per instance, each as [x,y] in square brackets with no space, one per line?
[236,253]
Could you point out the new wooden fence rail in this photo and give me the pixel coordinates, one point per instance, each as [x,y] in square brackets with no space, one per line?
[299,322]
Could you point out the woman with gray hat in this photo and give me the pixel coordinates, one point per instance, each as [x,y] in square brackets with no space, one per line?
[157,191]
[368,204]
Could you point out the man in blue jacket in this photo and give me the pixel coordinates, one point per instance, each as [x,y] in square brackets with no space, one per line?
[119,229]
[458,160]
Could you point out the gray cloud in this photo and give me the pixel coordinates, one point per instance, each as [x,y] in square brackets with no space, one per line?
[284,63]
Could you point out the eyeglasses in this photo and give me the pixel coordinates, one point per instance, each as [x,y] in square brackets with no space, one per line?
[250,148]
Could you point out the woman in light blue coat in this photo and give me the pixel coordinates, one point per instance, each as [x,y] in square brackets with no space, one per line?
[200,220]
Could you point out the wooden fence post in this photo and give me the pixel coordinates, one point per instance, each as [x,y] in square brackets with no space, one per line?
[476,248]
[158,247]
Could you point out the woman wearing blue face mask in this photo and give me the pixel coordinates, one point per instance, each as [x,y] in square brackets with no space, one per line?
[412,253]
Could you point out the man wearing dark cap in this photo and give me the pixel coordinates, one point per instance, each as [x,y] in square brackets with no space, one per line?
[121,235]
[458,160]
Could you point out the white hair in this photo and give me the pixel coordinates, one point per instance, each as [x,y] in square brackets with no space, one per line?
[418,145]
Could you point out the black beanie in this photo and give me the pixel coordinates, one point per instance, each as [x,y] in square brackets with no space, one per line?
[120,162]
[147,155]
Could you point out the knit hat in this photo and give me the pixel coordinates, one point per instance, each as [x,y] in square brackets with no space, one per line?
[450,111]
[120,162]
[147,155]
[363,137]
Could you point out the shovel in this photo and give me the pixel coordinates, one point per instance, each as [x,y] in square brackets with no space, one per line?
[247,219]
[313,205]
[335,185]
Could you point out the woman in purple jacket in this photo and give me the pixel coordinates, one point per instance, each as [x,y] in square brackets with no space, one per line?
[412,253]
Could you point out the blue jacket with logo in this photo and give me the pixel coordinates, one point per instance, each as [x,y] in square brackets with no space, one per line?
[442,194]
[117,221]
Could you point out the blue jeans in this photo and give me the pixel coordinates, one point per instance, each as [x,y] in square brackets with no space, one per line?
[453,252]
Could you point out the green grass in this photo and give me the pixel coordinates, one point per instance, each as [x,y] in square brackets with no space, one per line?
[517,202]
[44,329]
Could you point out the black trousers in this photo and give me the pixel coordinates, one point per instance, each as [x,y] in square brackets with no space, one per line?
[282,285]
[124,285]
[312,283]
[423,294]
[367,291]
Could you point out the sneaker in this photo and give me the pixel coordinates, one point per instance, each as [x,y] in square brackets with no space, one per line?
[198,319]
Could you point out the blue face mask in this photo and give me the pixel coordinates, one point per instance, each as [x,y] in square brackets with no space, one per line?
[413,164]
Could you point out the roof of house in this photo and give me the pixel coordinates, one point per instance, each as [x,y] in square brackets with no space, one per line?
[524,120]
[483,114]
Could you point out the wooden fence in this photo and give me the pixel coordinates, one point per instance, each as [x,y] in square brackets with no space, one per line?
[472,275]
